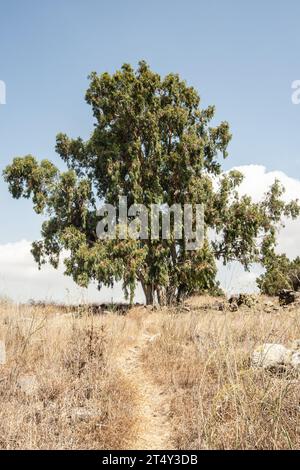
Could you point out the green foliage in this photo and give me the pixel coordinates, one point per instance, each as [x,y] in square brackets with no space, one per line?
[153,143]
[281,273]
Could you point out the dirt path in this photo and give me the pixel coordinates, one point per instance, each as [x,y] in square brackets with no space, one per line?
[153,430]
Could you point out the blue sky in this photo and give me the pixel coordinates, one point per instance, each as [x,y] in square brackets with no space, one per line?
[240,57]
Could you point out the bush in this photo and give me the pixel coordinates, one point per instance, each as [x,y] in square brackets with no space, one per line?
[281,273]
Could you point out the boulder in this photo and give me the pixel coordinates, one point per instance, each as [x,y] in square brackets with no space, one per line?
[295,360]
[270,355]
[287,296]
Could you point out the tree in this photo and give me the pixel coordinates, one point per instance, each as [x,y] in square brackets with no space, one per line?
[153,143]
[281,273]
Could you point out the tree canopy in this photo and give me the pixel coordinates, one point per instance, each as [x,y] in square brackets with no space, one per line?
[154,143]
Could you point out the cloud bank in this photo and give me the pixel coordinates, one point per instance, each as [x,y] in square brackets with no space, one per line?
[21,280]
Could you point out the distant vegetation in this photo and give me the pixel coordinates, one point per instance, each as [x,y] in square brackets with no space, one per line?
[281,273]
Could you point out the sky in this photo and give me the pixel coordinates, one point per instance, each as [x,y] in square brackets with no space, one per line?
[240,57]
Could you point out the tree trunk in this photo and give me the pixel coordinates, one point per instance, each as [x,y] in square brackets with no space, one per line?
[149,293]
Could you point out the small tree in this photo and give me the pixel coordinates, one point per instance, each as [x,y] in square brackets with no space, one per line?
[281,273]
[152,142]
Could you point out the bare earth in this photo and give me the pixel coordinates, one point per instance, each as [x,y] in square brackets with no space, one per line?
[153,429]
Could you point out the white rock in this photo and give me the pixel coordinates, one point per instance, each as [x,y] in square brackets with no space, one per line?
[2,353]
[83,414]
[270,355]
[295,360]
[28,384]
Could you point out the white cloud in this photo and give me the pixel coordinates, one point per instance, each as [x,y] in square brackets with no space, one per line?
[21,280]
[257,181]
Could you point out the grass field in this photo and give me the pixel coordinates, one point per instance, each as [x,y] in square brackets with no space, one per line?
[150,379]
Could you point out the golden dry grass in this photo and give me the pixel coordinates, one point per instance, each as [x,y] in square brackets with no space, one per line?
[83,399]
[89,393]
[218,401]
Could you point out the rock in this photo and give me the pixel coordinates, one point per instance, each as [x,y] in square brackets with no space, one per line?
[247,299]
[233,307]
[82,414]
[270,355]
[295,360]
[287,297]
[28,384]
[2,353]
[242,299]
[186,309]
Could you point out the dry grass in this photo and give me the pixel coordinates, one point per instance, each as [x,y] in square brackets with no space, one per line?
[82,401]
[199,361]
[218,401]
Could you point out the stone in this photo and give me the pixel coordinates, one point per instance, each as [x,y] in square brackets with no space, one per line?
[233,307]
[28,384]
[2,353]
[237,301]
[295,360]
[287,296]
[270,355]
[82,414]
[186,309]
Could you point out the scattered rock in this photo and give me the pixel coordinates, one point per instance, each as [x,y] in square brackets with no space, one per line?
[237,301]
[2,353]
[295,360]
[28,384]
[83,414]
[287,297]
[186,309]
[270,355]
[233,307]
